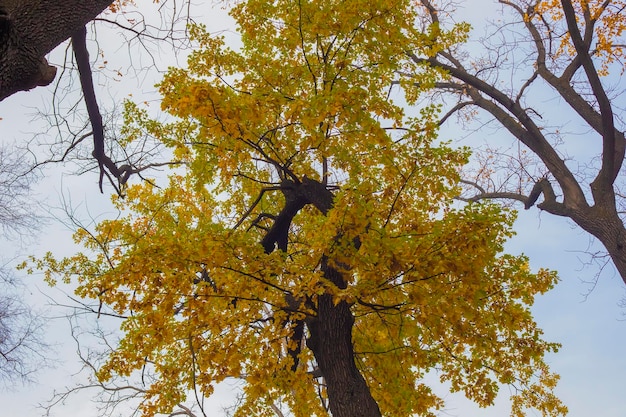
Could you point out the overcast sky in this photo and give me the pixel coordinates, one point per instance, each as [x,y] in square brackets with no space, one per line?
[587,319]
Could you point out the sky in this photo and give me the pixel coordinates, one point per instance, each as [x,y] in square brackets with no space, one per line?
[587,319]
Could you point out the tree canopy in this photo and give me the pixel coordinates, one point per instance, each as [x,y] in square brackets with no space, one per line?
[310,245]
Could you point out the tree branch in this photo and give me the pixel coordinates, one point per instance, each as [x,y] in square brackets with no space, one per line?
[543,186]
[562,83]
[79,43]
[120,173]
[612,154]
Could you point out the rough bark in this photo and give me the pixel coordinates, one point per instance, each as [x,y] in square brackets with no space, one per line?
[331,329]
[29,29]
[331,335]
[615,243]
[331,343]
[609,229]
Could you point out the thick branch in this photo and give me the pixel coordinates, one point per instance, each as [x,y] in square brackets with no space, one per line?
[562,83]
[297,195]
[32,28]
[79,44]
[278,234]
[543,186]
[573,194]
[123,172]
[515,119]
[612,156]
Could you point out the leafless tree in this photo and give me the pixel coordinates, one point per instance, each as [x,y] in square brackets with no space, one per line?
[16,179]
[515,75]
[22,350]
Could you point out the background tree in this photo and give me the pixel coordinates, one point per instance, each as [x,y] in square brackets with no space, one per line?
[22,349]
[564,47]
[310,245]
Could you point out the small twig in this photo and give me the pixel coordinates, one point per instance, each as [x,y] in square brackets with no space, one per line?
[254,204]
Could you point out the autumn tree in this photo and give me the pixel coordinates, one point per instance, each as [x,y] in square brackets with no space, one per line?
[541,55]
[310,245]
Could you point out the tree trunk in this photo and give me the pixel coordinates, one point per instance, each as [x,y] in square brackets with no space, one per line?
[609,229]
[331,329]
[29,29]
[331,343]
[618,255]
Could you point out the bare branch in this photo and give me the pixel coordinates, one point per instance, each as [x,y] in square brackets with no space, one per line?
[22,349]
[541,187]
[612,151]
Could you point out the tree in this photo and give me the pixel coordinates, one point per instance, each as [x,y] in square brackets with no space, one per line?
[310,245]
[29,30]
[22,350]
[565,47]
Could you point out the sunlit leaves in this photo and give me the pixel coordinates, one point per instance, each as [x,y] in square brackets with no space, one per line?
[604,20]
[307,99]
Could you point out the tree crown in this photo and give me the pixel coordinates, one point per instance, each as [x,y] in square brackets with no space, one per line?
[293,143]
